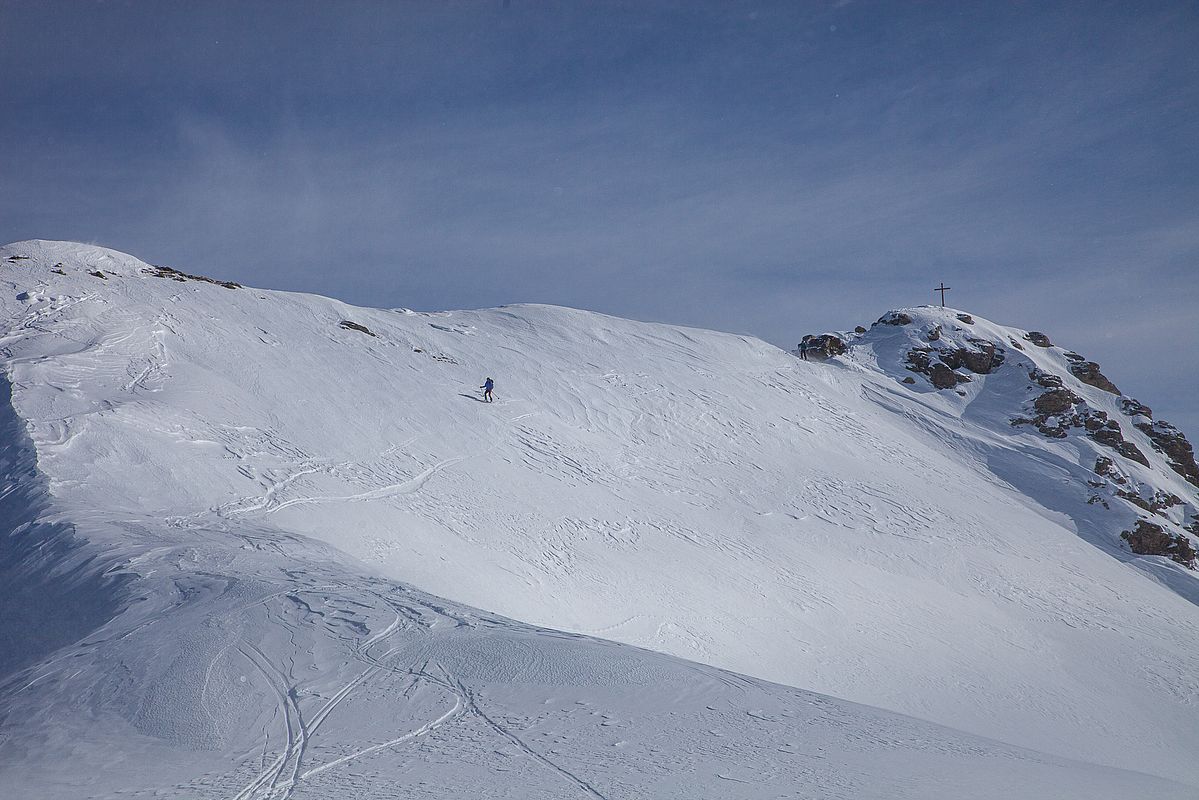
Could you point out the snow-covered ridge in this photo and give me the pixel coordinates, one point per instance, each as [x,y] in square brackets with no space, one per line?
[824,525]
[1141,470]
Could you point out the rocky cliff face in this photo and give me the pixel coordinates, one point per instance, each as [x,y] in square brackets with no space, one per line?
[1136,476]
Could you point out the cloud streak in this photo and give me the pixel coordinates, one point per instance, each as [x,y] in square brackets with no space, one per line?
[764,168]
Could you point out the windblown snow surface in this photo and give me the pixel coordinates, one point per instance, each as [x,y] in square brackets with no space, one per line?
[230,519]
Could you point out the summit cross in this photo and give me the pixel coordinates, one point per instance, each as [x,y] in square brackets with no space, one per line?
[942,289]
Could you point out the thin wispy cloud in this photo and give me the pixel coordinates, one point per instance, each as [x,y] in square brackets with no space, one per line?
[771,168]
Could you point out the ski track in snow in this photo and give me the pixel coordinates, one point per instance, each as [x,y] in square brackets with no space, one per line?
[404,487]
[694,493]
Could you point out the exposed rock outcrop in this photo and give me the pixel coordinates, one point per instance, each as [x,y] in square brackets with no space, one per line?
[1151,539]
[1169,441]
[1038,338]
[943,371]
[895,318]
[1105,467]
[1156,503]
[1088,372]
[176,275]
[826,345]
[983,360]
[1044,379]
[1056,401]
[1135,408]
[1058,410]
[354,326]
[943,377]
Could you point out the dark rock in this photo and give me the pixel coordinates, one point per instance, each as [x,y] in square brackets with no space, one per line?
[1130,450]
[1169,441]
[934,334]
[896,318]
[1059,410]
[1056,401]
[1072,356]
[825,345]
[1135,408]
[982,361]
[1105,466]
[1088,372]
[1151,539]
[859,329]
[1038,338]
[1045,379]
[1108,437]
[354,326]
[1159,502]
[945,378]
[909,379]
[966,318]
[918,360]
[1015,344]
[833,345]
[1133,498]
[1163,500]
[176,275]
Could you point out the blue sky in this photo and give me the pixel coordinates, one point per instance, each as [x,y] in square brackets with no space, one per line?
[770,168]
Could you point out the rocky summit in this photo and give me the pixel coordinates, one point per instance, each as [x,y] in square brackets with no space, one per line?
[1051,391]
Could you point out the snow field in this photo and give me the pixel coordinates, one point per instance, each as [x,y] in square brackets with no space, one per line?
[698,494]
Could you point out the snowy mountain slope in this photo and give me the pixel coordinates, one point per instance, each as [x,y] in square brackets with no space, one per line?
[700,494]
[256,665]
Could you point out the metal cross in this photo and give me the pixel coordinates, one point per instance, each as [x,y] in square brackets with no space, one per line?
[942,289]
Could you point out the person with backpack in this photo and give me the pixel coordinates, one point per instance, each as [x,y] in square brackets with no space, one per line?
[487,386]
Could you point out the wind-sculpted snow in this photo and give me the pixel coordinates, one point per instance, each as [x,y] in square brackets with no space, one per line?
[267,671]
[55,588]
[272,483]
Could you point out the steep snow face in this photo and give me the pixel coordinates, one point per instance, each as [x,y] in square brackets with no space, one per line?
[819,524]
